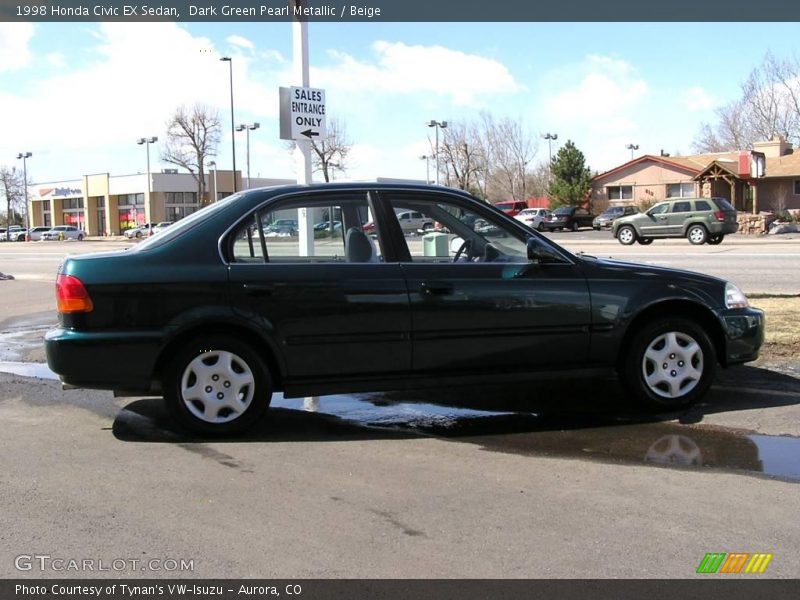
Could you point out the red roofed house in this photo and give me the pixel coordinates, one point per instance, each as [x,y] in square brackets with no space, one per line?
[764,179]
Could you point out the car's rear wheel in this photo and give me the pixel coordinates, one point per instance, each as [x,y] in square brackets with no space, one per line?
[645,241]
[80,237]
[574,226]
[138,234]
[697,234]
[540,227]
[716,239]
[626,235]
[670,363]
[217,385]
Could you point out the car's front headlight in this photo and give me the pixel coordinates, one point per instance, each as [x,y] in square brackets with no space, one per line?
[734,298]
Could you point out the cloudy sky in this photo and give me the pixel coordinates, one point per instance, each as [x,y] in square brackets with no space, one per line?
[79,95]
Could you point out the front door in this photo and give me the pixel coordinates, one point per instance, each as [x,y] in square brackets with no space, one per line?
[477,302]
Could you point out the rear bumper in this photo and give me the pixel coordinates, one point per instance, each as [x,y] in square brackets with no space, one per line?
[105,361]
[744,334]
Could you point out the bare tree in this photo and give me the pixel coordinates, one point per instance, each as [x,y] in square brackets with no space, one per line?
[769,105]
[511,150]
[462,154]
[13,190]
[330,154]
[192,137]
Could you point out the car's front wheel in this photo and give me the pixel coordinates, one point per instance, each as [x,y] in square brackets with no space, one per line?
[217,385]
[670,363]
[626,235]
[574,226]
[697,235]
[540,227]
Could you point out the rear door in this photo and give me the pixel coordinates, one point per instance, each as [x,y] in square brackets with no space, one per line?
[341,311]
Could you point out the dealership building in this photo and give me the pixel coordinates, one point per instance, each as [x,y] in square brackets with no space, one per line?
[107,205]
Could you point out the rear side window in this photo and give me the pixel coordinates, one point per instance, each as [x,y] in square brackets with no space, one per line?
[271,234]
[702,205]
[680,207]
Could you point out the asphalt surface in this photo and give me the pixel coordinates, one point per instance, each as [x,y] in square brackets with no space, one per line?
[559,479]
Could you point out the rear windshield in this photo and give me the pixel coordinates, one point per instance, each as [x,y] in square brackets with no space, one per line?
[724,205]
[563,211]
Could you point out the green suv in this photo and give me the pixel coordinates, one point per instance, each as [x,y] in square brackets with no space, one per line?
[700,220]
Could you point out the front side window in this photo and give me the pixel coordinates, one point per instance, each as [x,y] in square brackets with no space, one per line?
[342,226]
[659,209]
[460,234]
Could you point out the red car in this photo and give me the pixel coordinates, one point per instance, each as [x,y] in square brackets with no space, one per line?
[512,207]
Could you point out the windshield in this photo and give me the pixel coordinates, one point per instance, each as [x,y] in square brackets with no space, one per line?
[563,211]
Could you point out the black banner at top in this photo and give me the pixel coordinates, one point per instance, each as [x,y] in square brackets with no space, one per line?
[401,11]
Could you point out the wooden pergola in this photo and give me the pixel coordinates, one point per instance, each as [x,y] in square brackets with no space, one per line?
[716,171]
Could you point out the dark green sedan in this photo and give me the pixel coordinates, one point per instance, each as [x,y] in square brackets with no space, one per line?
[218,311]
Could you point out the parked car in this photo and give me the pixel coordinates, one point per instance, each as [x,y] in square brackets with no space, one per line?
[35,233]
[412,221]
[612,213]
[216,321]
[281,228]
[159,227]
[533,217]
[64,232]
[326,226]
[15,233]
[700,220]
[141,231]
[568,217]
[512,207]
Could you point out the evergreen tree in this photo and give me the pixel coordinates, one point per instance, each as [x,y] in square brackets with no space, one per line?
[571,180]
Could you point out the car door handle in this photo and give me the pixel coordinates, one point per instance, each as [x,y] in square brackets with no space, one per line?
[258,289]
[436,288]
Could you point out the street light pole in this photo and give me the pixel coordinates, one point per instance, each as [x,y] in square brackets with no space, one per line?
[427,158]
[24,156]
[248,128]
[213,163]
[147,142]
[632,147]
[229,60]
[437,125]
[550,137]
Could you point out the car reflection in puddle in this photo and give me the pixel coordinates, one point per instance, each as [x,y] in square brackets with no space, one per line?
[606,437]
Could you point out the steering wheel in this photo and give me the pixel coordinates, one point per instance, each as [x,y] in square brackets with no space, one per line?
[465,247]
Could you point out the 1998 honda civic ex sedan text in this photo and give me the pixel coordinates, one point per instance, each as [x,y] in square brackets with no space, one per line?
[215,316]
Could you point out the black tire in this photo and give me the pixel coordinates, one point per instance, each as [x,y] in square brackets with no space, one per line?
[574,226]
[715,240]
[697,235]
[626,235]
[224,421]
[138,235]
[80,237]
[645,241]
[689,372]
[540,227]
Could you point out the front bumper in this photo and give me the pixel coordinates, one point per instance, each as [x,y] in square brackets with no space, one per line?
[744,334]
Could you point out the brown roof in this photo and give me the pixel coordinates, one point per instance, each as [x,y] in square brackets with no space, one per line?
[784,166]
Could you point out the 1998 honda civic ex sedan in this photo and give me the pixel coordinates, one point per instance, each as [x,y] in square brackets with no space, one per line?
[215,316]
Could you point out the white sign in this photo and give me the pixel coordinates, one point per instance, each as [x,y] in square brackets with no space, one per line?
[302,113]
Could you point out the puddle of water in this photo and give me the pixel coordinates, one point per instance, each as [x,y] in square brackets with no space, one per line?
[375,410]
[38,370]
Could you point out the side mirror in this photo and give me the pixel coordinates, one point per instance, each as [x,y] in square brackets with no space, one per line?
[536,254]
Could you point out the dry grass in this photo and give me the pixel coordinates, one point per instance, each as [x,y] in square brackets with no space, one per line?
[783,326]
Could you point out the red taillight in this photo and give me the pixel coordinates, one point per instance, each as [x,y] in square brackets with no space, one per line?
[71,296]
[720,216]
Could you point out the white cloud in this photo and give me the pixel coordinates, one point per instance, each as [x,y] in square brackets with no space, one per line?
[696,99]
[56,59]
[402,69]
[139,74]
[597,108]
[14,51]
[239,41]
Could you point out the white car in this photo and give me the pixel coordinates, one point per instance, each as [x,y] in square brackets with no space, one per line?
[533,217]
[15,233]
[35,233]
[414,222]
[64,232]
